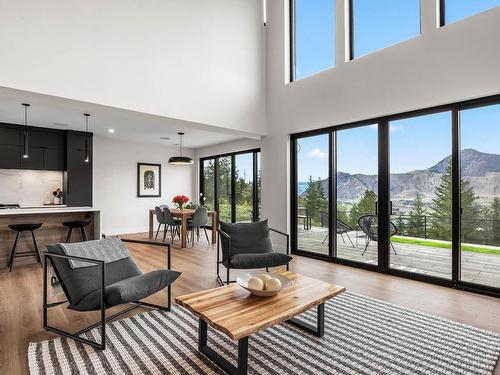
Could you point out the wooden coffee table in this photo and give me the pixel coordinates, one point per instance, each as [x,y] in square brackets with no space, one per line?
[235,312]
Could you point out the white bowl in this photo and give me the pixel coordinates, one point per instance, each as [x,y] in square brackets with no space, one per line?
[243,282]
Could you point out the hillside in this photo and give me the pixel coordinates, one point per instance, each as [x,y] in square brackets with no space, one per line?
[482,170]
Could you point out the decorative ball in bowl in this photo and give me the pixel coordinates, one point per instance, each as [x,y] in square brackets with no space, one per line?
[264,284]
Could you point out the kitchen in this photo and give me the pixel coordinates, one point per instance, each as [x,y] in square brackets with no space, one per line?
[45,190]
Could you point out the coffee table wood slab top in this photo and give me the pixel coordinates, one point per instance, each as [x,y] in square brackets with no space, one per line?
[237,313]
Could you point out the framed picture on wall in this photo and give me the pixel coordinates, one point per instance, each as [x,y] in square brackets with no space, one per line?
[148,180]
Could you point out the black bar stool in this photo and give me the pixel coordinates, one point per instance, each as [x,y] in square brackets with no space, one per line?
[77,224]
[20,228]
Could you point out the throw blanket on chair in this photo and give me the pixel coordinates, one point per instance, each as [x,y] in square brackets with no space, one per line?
[108,249]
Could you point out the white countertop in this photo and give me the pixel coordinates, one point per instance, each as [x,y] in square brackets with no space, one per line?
[45,210]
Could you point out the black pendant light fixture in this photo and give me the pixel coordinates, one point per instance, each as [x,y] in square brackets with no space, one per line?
[87,155]
[25,132]
[180,160]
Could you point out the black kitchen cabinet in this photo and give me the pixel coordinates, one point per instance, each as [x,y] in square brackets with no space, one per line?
[10,135]
[10,147]
[51,150]
[78,181]
[34,160]
[54,159]
[46,148]
[10,157]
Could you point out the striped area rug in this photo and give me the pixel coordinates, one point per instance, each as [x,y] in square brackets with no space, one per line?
[363,336]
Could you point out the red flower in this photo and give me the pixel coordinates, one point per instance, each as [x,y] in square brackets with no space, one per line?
[180,198]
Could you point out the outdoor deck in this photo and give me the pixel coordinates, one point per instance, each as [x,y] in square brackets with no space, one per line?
[476,267]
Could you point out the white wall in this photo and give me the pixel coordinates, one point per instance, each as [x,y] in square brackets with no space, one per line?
[196,60]
[115,182]
[453,63]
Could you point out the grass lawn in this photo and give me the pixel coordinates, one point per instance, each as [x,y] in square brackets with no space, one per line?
[430,243]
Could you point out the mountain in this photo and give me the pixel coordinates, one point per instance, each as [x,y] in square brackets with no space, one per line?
[473,163]
[482,170]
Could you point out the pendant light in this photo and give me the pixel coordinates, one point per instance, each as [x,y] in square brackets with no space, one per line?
[87,155]
[25,132]
[180,160]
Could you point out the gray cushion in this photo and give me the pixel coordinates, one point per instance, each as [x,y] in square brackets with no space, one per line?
[247,238]
[79,282]
[248,261]
[132,289]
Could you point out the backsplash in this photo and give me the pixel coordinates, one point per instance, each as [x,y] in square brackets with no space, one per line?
[27,187]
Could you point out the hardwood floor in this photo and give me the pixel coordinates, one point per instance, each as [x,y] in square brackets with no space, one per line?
[21,296]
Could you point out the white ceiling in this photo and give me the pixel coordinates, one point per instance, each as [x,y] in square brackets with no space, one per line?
[59,113]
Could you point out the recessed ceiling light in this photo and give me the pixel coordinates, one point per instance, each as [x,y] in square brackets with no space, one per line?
[165,138]
[61,124]
[111,130]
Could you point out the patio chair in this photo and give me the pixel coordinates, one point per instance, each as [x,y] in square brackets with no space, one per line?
[97,275]
[342,228]
[303,213]
[249,246]
[369,226]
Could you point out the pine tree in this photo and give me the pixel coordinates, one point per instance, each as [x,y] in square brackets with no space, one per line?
[366,205]
[494,216]
[314,199]
[416,223]
[441,208]
[470,211]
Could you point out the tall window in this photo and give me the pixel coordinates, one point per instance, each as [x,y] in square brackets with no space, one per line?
[415,194]
[381,23]
[480,195]
[313,35]
[230,184]
[421,194]
[455,10]
[312,204]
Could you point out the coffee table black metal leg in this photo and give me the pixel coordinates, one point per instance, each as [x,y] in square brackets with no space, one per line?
[217,358]
[319,330]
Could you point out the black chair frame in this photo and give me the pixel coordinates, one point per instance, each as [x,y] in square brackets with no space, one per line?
[228,268]
[103,319]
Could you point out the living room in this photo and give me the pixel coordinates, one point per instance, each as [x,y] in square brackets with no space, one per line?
[211,187]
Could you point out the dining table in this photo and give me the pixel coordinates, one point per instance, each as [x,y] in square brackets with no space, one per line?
[184,215]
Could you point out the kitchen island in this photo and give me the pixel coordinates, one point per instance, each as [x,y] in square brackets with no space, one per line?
[51,232]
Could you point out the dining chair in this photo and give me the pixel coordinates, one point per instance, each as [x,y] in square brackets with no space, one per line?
[160,218]
[172,223]
[199,220]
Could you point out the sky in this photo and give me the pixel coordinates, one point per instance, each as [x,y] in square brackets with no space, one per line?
[415,143]
[377,24]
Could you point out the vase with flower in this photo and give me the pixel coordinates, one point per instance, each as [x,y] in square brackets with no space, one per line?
[58,195]
[180,201]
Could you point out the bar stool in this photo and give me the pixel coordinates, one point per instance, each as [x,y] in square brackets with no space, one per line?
[20,228]
[77,224]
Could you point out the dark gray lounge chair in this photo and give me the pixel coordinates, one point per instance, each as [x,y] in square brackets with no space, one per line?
[369,226]
[249,246]
[97,275]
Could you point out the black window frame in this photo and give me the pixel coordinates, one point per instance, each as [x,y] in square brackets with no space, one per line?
[384,194]
[255,193]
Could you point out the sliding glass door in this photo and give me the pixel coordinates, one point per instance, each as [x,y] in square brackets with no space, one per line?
[421,194]
[312,203]
[356,225]
[415,195]
[480,195]
[244,187]
[230,184]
